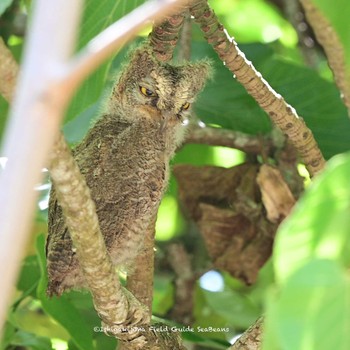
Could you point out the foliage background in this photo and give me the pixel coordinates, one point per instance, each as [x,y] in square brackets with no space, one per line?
[268,39]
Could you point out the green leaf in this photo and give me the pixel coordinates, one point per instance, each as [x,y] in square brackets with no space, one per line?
[226,103]
[30,273]
[319,225]
[4,106]
[61,309]
[163,294]
[312,311]
[315,99]
[31,341]
[4,4]
[236,309]
[8,332]
[28,279]
[98,15]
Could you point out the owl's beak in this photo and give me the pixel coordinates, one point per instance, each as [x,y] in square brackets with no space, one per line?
[164,122]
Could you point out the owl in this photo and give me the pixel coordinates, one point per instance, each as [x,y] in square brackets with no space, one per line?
[125,161]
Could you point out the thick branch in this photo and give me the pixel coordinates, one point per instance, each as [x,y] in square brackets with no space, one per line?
[140,280]
[282,114]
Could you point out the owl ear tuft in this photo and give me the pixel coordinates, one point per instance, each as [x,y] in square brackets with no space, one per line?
[142,55]
[199,72]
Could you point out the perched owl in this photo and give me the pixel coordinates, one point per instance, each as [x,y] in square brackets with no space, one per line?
[125,160]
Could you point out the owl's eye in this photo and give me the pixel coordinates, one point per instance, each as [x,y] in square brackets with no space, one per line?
[186,105]
[147,92]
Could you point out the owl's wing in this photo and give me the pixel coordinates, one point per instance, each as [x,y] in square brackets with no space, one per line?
[62,264]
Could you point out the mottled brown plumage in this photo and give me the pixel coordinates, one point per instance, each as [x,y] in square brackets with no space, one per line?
[125,160]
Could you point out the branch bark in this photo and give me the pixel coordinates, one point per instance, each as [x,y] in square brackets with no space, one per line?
[335,51]
[251,339]
[165,34]
[281,113]
[140,280]
[228,138]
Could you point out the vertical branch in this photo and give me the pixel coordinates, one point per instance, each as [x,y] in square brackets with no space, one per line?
[140,281]
[281,113]
[165,35]
[186,38]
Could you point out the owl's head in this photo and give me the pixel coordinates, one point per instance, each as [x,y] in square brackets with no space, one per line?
[158,91]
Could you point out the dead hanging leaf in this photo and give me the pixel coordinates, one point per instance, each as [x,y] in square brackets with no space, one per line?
[226,205]
[276,195]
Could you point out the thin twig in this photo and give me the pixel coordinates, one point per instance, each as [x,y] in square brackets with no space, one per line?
[281,113]
[186,38]
[228,138]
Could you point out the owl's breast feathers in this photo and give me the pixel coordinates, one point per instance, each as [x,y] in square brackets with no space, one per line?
[125,166]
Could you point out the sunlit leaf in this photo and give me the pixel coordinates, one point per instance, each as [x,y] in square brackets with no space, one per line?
[312,311]
[235,308]
[319,225]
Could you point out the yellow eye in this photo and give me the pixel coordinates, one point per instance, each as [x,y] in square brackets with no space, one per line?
[147,92]
[186,105]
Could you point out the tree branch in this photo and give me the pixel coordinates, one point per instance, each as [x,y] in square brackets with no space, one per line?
[140,280]
[165,34]
[282,114]
[228,138]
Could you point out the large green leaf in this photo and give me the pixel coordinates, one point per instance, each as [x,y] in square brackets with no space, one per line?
[315,99]
[226,103]
[319,225]
[98,15]
[312,311]
[235,308]
[28,340]
[61,309]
